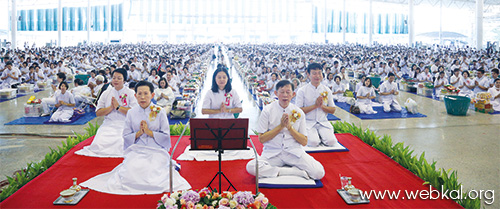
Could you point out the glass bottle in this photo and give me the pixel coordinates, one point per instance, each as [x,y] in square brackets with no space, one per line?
[75,186]
[349,185]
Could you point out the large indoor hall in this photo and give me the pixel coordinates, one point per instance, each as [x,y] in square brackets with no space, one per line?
[347,104]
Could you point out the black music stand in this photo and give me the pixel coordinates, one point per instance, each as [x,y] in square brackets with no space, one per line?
[219,135]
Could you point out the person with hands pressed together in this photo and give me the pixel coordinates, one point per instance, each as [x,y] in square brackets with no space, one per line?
[145,168]
[65,101]
[316,100]
[282,130]
[364,97]
[388,93]
[113,104]
[221,101]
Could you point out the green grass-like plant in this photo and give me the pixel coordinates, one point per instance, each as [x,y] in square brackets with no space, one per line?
[32,170]
[398,152]
[416,164]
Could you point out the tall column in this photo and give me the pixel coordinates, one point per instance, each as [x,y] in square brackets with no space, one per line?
[59,22]
[479,24]
[344,22]
[370,24]
[441,22]
[88,22]
[108,20]
[326,23]
[13,25]
[411,24]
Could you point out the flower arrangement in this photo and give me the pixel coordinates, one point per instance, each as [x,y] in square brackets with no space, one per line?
[206,199]
[325,96]
[123,98]
[450,89]
[295,116]
[228,98]
[154,112]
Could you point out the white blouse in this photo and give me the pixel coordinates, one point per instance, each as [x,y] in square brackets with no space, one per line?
[213,100]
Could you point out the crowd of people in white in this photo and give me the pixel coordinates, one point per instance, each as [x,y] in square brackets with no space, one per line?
[469,70]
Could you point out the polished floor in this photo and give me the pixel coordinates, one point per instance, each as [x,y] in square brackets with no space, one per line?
[467,144]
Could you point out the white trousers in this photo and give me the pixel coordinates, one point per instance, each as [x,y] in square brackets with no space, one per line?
[391,104]
[46,102]
[61,115]
[269,167]
[145,170]
[108,141]
[366,108]
[320,134]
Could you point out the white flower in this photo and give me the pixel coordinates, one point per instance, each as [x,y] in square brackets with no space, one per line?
[175,195]
[169,202]
[233,204]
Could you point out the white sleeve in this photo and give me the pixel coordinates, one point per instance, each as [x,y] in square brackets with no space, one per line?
[263,125]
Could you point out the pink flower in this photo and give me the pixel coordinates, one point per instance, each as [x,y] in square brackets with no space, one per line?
[190,205]
[224,201]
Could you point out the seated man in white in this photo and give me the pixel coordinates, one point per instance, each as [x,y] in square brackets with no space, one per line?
[64,103]
[145,169]
[113,104]
[316,100]
[388,93]
[282,130]
[81,92]
[9,76]
[481,82]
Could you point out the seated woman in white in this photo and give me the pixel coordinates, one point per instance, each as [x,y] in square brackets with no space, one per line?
[440,82]
[425,76]
[338,89]
[145,169]
[64,104]
[154,78]
[51,100]
[113,104]
[365,95]
[360,84]
[495,95]
[164,95]
[466,85]
[328,82]
[221,101]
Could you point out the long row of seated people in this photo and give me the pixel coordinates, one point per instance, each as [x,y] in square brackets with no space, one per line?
[136,129]
[440,66]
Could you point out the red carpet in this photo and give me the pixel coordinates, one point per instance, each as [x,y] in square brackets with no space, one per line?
[369,168]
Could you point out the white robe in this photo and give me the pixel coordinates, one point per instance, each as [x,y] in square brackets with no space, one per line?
[320,130]
[108,141]
[166,103]
[63,112]
[389,101]
[339,87]
[365,105]
[145,169]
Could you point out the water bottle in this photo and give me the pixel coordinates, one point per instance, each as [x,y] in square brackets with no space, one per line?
[404,113]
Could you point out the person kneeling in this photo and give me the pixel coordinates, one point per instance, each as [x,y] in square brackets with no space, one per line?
[64,104]
[388,93]
[145,169]
[282,130]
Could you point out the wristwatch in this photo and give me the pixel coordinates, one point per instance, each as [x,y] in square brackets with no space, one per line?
[117,108]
